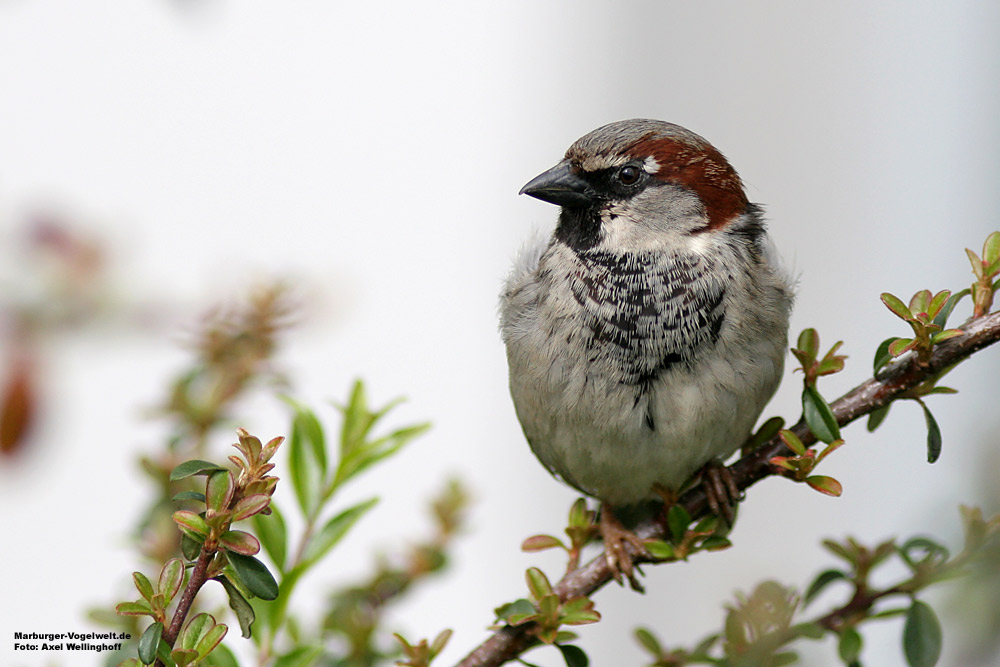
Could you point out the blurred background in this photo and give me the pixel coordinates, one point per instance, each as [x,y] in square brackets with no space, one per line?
[159,158]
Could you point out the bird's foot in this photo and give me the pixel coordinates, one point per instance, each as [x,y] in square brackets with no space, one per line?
[619,543]
[720,490]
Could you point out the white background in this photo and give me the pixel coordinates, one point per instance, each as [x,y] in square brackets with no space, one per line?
[372,153]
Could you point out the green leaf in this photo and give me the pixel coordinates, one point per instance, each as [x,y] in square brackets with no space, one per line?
[821,581]
[219,490]
[190,547]
[920,302]
[678,520]
[792,442]
[818,416]
[273,535]
[849,646]
[538,583]
[304,656]
[541,543]
[240,606]
[191,524]
[440,641]
[333,531]
[357,419]
[137,608]
[649,641]
[976,263]
[573,655]
[148,642]
[183,656]
[254,575]
[165,655]
[578,611]
[362,456]
[991,248]
[171,579]
[882,354]
[941,320]
[923,551]
[194,630]
[143,586]
[824,484]
[901,346]
[896,306]
[933,436]
[942,336]
[716,543]
[782,659]
[221,657]
[211,639]
[519,607]
[767,430]
[808,342]
[877,416]
[660,550]
[937,303]
[197,496]
[921,636]
[240,542]
[578,515]
[194,467]
[250,506]
[307,460]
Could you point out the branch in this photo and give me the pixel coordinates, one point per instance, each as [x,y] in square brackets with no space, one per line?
[197,580]
[897,378]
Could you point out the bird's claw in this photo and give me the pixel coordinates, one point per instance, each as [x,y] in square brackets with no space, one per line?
[721,492]
[621,546]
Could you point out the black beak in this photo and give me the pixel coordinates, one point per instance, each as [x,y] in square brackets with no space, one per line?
[559,185]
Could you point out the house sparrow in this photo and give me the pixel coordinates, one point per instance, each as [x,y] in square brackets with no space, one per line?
[646,335]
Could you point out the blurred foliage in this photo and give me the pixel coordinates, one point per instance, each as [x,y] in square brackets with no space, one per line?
[53,282]
[760,627]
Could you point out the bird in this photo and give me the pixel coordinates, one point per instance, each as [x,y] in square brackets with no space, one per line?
[646,334]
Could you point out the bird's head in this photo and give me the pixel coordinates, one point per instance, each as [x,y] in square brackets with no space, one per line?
[627,179]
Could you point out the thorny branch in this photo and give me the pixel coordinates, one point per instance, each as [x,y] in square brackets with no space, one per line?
[897,378]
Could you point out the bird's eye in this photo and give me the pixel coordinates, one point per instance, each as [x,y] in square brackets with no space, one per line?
[629,175]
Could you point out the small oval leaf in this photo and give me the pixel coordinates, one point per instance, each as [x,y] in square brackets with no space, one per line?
[219,490]
[148,643]
[254,575]
[538,583]
[818,416]
[921,636]
[193,467]
[898,308]
[933,436]
[143,585]
[849,646]
[239,541]
[877,416]
[823,580]
[882,355]
[824,484]
[250,505]
[171,579]
[573,655]
[240,606]
[541,543]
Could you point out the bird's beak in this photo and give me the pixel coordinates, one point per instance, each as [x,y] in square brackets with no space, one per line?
[559,185]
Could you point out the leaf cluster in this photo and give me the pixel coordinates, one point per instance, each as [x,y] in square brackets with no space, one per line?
[761,627]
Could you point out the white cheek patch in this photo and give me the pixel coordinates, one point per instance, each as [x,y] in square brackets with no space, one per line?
[700,243]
